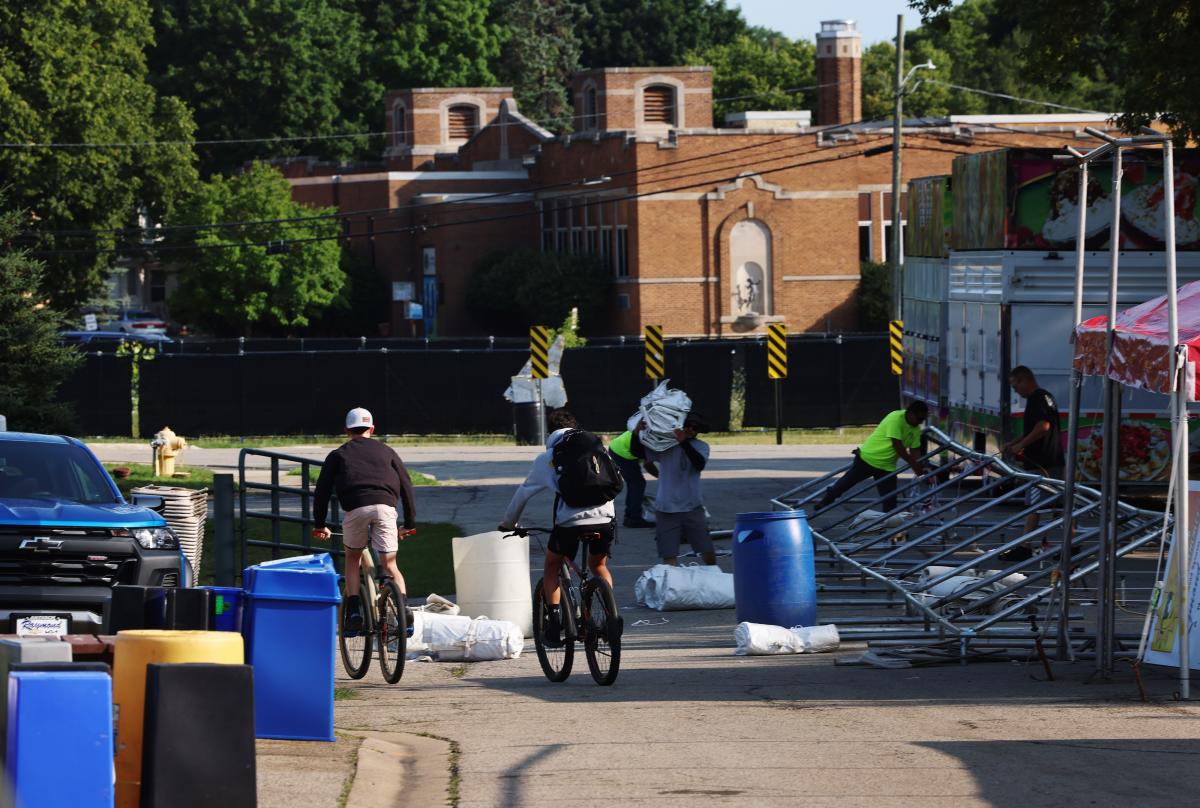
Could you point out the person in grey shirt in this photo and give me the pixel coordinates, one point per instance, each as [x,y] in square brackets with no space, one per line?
[678,503]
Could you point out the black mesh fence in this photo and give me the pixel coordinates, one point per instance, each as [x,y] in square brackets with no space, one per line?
[460,390]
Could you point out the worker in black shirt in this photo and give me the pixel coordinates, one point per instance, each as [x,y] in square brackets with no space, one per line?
[1040,447]
[368,478]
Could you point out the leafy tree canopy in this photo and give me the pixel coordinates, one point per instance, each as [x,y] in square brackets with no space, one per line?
[234,284]
[649,33]
[759,70]
[33,363]
[541,55]
[74,71]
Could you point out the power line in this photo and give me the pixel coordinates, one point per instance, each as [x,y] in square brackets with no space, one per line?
[1014,97]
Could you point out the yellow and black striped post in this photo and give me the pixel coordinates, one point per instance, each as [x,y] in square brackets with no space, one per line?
[539,352]
[777,371]
[896,346]
[656,362]
[776,351]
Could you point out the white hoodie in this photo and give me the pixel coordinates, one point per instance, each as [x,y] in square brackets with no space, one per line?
[542,477]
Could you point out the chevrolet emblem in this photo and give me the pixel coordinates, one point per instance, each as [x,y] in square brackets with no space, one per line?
[41,544]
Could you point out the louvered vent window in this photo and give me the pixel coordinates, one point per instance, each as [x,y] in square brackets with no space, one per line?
[658,104]
[463,122]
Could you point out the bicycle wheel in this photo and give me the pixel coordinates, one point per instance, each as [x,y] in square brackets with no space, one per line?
[556,662]
[356,651]
[392,631]
[602,627]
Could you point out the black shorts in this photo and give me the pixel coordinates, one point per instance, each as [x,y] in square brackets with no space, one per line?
[564,540]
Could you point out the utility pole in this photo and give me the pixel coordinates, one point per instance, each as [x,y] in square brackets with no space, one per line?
[897,125]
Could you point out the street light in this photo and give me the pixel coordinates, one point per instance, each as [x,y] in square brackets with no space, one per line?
[897,125]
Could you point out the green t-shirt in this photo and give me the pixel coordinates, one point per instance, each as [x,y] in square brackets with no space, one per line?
[878,451]
[622,445]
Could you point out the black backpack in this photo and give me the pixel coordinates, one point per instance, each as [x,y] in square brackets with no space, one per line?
[587,475]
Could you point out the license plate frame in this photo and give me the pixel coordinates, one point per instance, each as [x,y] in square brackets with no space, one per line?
[41,625]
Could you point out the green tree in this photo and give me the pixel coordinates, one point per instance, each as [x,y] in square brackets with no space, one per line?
[431,43]
[922,98]
[278,69]
[541,55]
[231,281]
[33,362]
[762,70]
[649,33]
[73,71]
[511,291]
[874,296]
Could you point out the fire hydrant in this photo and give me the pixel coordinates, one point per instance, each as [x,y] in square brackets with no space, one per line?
[167,446]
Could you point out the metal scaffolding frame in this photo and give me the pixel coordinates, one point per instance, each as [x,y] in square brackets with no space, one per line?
[943,551]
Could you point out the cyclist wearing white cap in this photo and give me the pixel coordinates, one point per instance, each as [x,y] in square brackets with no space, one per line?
[368,478]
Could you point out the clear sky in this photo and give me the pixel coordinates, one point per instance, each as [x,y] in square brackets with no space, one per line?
[801,19]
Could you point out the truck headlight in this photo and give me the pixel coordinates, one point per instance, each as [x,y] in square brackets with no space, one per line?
[156,538]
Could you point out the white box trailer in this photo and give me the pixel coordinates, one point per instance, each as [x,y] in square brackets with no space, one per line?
[1008,308]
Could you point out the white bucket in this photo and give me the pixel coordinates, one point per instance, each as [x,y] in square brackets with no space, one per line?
[491,577]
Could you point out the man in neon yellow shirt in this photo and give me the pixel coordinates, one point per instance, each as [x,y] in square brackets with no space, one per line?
[896,437]
[621,450]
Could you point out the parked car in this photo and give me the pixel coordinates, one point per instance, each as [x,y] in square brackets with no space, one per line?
[110,340]
[67,536]
[136,321]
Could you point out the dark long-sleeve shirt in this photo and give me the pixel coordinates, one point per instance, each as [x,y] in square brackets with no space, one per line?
[362,472]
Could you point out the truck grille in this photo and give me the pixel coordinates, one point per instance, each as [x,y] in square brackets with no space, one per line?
[65,558]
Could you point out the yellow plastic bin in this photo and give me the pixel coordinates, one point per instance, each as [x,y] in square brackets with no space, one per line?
[135,650]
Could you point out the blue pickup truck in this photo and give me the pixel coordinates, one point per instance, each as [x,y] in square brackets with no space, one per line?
[67,536]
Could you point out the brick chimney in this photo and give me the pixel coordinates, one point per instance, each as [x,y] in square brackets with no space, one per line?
[839,73]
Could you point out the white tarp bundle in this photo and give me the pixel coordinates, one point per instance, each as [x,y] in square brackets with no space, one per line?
[955,586]
[668,588]
[893,522]
[754,639]
[452,637]
[522,390]
[664,411]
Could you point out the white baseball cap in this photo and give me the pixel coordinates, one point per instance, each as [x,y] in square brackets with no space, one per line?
[358,418]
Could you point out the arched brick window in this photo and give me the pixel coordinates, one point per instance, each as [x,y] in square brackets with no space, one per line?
[591,115]
[399,126]
[658,104]
[462,121]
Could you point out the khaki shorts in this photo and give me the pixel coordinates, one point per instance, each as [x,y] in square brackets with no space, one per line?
[373,523]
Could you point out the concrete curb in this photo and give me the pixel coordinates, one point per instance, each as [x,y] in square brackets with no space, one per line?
[396,769]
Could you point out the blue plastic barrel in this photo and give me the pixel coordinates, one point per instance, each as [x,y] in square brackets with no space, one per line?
[226,608]
[289,623]
[60,742]
[774,578]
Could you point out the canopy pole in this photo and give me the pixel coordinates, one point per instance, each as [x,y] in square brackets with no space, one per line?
[1111,430]
[1065,650]
[1179,422]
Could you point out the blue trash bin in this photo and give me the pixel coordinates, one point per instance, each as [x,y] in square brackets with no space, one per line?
[774,577]
[60,741]
[226,608]
[289,622]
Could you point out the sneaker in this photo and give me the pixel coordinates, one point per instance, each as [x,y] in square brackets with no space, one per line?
[639,522]
[551,632]
[352,620]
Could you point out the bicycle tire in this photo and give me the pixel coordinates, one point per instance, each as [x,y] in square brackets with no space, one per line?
[392,631]
[602,631]
[356,651]
[556,662]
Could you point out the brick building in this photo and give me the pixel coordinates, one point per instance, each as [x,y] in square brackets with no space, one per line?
[706,230]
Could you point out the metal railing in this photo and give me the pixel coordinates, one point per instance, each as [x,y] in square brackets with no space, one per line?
[945,550]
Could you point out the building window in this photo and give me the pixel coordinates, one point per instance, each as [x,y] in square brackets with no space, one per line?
[623,302]
[591,115]
[622,262]
[864,241]
[399,126]
[462,121]
[887,239]
[158,286]
[658,104]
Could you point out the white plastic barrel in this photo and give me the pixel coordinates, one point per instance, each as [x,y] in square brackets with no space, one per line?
[491,577]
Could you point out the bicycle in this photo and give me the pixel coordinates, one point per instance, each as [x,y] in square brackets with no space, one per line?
[588,615]
[385,620]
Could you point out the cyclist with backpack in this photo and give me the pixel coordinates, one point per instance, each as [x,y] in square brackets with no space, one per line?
[585,481]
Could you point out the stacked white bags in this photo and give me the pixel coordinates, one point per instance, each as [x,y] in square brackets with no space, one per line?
[664,411]
[755,639]
[669,588]
[458,638]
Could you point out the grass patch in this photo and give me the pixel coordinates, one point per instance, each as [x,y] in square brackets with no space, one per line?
[418,479]
[795,437]
[143,474]
[348,783]
[426,559]
[458,671]
[344,694]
